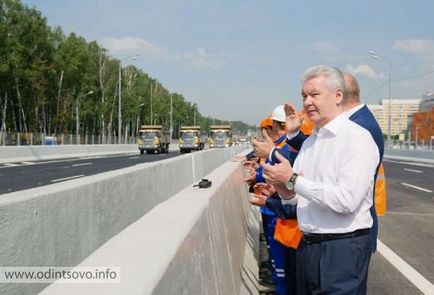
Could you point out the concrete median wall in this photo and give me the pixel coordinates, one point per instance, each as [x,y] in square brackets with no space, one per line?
[410,155]
[62,224]
[197,242]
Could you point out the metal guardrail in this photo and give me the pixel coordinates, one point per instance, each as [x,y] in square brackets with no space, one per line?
[30,138]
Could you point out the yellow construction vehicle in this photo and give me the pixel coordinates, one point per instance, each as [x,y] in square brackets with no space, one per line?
[153,139]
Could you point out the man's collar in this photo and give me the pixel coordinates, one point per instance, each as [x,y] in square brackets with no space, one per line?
[333,126]
[351,111]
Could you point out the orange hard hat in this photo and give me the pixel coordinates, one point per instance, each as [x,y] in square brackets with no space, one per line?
[266,123]
[307,125]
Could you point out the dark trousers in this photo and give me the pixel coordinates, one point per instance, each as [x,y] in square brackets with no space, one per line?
[290,272]
[335,267]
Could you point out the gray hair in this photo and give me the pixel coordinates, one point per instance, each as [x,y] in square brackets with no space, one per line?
[334,76]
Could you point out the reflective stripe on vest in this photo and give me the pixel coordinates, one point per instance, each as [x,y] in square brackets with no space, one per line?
[380,192]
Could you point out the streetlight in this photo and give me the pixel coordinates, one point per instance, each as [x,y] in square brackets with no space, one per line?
[120,98]
[171,115]
[389,67]
[151,105]
[77,116]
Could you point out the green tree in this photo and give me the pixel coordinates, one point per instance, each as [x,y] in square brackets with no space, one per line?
[46,76]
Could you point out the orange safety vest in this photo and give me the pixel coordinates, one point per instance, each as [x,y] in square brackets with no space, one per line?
[286,231]
[380,192]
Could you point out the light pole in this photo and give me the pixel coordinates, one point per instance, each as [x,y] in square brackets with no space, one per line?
[77,116]
[120,96]
[171,114]
[137,122]
[389,68]
[151,104]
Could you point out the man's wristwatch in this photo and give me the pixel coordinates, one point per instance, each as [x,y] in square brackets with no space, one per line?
[291,182]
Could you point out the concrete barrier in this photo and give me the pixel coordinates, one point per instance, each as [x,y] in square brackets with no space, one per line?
[61,224]
[206,161]
[9,154]
[410,155]
[201,241]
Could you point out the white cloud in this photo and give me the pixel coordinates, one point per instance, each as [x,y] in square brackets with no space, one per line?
[201,60]
[132,45]
[364,70]
[325,47]
[198,58]
[419,46]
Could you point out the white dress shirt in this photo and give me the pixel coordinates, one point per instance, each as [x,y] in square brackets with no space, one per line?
[338,164]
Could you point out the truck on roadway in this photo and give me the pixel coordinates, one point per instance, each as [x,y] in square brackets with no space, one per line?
[220,136]
[190,139]
[153,139]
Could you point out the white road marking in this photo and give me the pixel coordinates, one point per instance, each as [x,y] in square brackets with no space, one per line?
[29,163]
[417,187]
[6,165]
[133,158]
[67,178]
[81,164]
[91,157]
[412,170]
[409,272]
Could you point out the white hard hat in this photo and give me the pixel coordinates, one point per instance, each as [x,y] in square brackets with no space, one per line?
[279,114]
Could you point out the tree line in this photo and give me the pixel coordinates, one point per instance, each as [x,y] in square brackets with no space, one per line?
[53,83]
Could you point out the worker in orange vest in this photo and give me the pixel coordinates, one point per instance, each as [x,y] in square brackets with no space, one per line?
[283,258]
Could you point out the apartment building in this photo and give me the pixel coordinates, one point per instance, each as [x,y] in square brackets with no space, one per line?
[400,110]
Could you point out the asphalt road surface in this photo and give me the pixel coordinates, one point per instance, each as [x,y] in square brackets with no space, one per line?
[407,230]
[24,175]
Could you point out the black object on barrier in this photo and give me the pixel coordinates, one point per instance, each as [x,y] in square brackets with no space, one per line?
[204,183]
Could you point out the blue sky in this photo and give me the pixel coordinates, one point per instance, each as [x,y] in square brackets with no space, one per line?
[238,59]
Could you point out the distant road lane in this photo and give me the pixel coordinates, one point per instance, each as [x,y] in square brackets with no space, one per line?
[24,175]
[407,230]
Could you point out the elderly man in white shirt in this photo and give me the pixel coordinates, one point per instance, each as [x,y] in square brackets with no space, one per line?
[331,183]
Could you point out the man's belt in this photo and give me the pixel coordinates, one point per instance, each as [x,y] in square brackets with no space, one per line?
[311,238]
